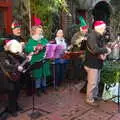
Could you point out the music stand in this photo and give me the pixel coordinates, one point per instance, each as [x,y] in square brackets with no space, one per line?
[35,111]
[54,51]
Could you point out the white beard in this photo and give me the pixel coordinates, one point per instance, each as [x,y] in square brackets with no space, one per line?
[37,37]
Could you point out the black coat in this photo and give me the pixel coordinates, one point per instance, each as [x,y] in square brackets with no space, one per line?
[95,43]
[8,64]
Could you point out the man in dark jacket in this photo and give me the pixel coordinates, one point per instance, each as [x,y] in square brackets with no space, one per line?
[93,62]
[8,66]
[11,77]
[17,35]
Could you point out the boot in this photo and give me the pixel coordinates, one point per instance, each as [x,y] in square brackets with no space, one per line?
[92,103]
[6,112]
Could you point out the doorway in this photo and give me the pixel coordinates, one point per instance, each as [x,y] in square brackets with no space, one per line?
[2,22]
[102,11]
[5,16]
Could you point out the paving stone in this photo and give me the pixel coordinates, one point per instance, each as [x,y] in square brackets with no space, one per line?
[94,115]
[115,117]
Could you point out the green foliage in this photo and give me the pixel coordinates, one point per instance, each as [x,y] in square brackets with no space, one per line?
[45,9]
[115,17]
[111,72]
[20,13]
[115,22]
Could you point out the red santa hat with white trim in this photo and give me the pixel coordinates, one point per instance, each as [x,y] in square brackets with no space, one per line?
[99,24]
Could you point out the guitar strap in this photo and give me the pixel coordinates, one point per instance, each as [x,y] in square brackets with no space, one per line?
[89,49]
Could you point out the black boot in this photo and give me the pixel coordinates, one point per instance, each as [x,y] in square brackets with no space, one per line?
[7,112]
[14,114]
[4,115]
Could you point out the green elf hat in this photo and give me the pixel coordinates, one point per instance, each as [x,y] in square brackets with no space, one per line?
[83,24]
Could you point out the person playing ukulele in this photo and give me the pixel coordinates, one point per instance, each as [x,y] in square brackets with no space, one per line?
[93,64]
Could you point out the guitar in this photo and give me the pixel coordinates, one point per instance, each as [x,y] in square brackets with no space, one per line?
[38,48]
[109,45]
[14,74]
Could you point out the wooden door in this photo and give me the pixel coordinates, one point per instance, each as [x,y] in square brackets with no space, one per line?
[5,16]
[2,21]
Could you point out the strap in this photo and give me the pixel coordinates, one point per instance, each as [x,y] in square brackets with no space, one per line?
[90,49]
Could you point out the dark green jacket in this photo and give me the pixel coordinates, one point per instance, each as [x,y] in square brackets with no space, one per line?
[95,43]
[44,70]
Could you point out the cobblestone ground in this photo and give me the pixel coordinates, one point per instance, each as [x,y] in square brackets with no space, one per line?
[67,104]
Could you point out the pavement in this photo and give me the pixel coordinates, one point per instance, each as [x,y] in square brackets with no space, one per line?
[66,103]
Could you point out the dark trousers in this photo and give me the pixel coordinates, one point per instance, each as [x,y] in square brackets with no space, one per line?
[13,94]
[59,73]
[26,82]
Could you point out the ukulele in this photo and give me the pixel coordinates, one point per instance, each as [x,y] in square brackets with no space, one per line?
[109,45]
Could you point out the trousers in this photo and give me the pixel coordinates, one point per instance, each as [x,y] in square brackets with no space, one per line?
[40,83]
[13,97]
[93,78]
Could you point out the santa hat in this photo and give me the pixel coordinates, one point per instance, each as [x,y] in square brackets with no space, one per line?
[99,24]
[15,24]
[83,24]
[13,46]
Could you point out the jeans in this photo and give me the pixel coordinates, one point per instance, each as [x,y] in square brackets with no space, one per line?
[59,73]
[40,83]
